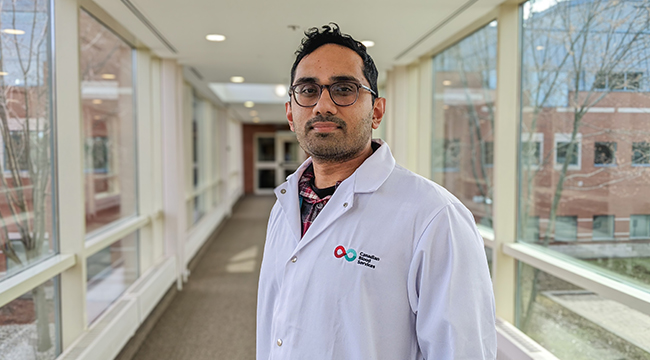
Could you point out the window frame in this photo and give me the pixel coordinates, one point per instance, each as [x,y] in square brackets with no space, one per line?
[566,138]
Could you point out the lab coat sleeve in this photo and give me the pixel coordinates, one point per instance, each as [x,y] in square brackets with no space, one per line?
[450,291]
[266,292]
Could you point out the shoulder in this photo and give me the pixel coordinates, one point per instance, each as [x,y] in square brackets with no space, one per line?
[413,188]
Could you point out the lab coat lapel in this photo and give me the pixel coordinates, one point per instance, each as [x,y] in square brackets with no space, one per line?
[288,197]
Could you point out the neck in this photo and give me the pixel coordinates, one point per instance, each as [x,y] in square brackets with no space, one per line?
[327,174]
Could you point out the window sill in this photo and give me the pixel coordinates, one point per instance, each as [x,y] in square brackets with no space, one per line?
[33,276]
[566,268]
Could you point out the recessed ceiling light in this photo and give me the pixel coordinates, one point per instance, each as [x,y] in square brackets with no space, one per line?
[256,119]
[97,101]
[280,90]
[237,79]
[215,37]
[368,43]
[446,82]
[253,113]
[2,73]
[249,104]
[13,31]
[539,47]
[108,76]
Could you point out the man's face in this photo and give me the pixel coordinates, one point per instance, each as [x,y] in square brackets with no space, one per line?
[326,131]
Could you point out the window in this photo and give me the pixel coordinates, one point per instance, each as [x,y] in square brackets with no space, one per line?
[567,150]
[490,257]
[618,81]
[463,120]
[531,229]
[566,228]
[265,149]
[488,153]
[574,323]
[28,324]
[16,150]
[639,226]
[451,155]
[109,125]
[603,227]
[604,82]
[641,153]
[531,150]
[198,162]
[604,153]
[109,273]
[27,215]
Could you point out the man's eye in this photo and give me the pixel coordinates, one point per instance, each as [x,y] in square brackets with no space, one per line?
[308,90]
[344,88]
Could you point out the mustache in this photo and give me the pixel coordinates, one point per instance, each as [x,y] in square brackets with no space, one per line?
[329,118]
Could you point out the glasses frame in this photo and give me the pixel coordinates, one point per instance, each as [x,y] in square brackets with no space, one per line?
[292,91]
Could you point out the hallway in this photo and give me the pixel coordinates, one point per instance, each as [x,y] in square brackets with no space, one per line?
[214,316]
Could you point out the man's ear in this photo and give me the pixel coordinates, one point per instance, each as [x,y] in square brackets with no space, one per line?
[287,107]
[378,112]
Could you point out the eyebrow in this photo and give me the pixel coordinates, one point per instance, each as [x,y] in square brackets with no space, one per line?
[333,79]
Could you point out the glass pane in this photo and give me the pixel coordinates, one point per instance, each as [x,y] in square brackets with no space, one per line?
[576,324]
[197,116]
[266,178]
[26,205]
[603,227]
[640,226]
[28,326]
[199,208]
[583,176]
[110,272]
[109,126]
[291,151]
[464,82]
[488,254]
[265,149]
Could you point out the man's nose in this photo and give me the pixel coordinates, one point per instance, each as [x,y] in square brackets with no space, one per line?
[325,105]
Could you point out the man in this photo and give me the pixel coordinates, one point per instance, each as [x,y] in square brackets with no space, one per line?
[364,259]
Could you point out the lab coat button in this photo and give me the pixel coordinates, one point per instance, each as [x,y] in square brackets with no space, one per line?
[294,259]
[283,191]
[345,205]
[279,342]
[319,205]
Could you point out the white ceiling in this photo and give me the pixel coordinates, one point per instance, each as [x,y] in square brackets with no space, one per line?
[260,43]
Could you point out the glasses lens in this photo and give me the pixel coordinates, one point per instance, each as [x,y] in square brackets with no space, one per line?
[344,93]
[307,94]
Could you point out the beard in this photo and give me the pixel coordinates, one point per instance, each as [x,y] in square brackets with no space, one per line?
[335,146]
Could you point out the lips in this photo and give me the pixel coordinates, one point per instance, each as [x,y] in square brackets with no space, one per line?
[324,126]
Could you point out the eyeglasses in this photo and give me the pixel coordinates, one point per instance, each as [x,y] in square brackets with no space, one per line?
[343,93]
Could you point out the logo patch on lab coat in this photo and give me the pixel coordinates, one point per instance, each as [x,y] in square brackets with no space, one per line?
[350,255]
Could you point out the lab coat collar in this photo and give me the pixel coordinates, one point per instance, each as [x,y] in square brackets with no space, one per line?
[367,178]
[375,170]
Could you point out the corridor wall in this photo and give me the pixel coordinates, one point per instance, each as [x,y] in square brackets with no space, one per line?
[132,166]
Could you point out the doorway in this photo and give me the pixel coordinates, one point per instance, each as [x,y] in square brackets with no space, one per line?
[277,155]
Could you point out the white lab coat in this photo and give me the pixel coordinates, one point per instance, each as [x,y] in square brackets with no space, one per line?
[410,282]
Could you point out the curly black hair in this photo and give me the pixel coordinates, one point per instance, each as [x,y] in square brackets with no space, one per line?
[316,38]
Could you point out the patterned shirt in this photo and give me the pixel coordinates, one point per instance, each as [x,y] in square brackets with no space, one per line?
[311,203]
[312,199]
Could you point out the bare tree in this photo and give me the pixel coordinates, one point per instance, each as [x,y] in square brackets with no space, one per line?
[25,130]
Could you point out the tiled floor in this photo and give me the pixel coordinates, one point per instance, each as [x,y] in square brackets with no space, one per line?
[214,316]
